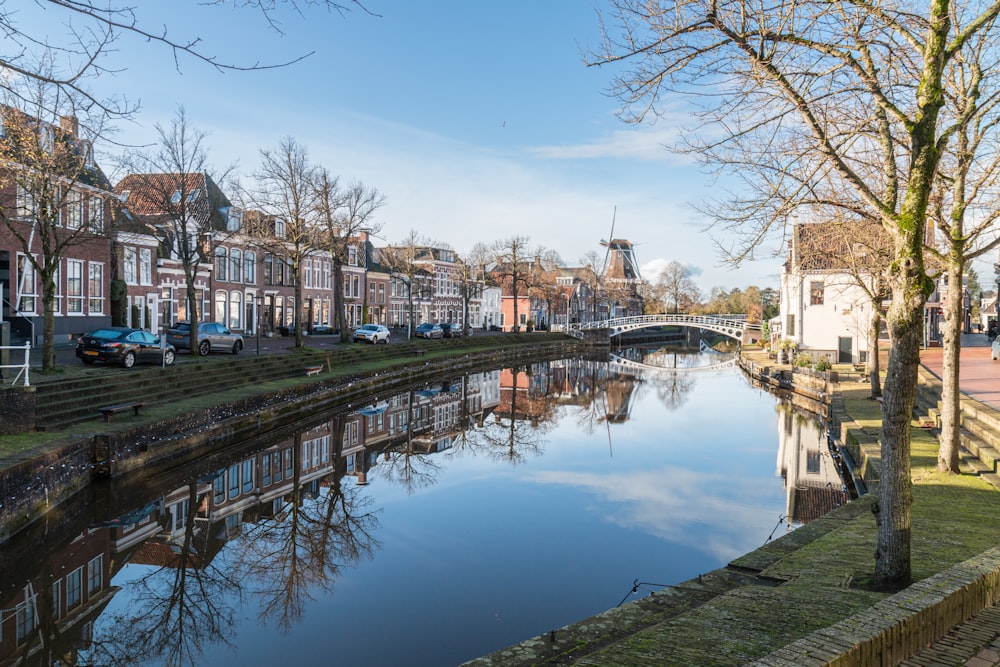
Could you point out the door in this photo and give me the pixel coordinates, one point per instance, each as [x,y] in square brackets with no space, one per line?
[845,347]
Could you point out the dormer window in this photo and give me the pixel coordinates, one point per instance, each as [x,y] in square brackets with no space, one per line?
[279,229]
[192,196]
[176,197]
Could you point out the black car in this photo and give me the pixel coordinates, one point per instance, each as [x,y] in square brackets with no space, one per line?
[121,345]
[451,330]
[428,330]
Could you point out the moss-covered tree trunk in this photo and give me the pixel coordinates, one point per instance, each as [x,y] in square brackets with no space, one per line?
[874,363]
[950,398]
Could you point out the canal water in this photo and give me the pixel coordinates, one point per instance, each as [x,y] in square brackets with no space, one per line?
[433,525]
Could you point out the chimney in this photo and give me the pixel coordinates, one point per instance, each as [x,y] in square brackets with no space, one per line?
[70,126]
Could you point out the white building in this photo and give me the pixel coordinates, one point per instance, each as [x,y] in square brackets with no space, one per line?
[823,308]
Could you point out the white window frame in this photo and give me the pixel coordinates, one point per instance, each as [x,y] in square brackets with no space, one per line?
[74,298]
[129,262]
[26,285]
[95,288]
[145,266]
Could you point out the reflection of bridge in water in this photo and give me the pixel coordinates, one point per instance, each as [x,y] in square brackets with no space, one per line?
[727,326]
[629,367]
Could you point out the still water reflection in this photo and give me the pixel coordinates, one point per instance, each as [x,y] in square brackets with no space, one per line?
[434,525]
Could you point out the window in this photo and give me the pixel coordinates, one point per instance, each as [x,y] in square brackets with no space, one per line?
[371,293]
[74,210]
[268,269]
[816,293]
[236,310]
[279,229]
[74,588]
[790,326]
[248,476]
[176,197]
[26,620]
[356,283]
[25,203]
[221,264]
[128,265]
[56,598]
[95,286]
[308,273]
[95,575]
[74,286]
[381,293]
[265,470]
[235,265]
[219,488]
[234,481]
[26,285]
[145,266]
[352,256]
[249,267]
[95,214]
[220,306]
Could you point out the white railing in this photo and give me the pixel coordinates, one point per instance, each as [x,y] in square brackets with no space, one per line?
[26,348]
[728,326]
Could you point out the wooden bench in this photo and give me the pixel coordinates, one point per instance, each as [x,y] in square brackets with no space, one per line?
[420,353]
[313,370]
[109,410]
[860,367]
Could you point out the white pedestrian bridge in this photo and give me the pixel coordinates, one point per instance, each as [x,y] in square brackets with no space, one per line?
[727,326]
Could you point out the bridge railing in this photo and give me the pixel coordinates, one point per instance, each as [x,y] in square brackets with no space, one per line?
[707,321]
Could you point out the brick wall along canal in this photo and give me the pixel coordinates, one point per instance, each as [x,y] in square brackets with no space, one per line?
[453,520]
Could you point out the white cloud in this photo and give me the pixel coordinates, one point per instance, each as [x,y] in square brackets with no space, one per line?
[676,504]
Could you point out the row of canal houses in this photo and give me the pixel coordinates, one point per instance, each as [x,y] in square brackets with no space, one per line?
[126,267]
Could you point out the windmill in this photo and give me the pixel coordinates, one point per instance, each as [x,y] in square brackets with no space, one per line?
[619,258]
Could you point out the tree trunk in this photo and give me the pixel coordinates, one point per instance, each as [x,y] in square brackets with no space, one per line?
[895,494]
[296,319]
[338,300]
[950,397]
[874,363]
[193,316]
[48,324]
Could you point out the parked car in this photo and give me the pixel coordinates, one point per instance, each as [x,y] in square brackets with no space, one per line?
[373,333]
[212,336]
[451,330]
[323,330]
[428,330]
[125,346]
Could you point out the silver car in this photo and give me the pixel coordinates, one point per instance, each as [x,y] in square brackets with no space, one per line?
[372,333]
[212,337]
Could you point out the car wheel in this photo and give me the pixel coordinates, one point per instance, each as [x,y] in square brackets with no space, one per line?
[237,346]
[168,357]
[385,341]
[204,347]
[90,362]
[129,360]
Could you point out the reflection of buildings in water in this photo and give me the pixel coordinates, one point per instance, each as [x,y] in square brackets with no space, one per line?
[59,602]
[812,478]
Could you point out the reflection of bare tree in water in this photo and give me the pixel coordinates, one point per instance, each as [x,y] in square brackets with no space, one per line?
[403,463]
[674,389]
[516,432]
[176,609]
[306,545]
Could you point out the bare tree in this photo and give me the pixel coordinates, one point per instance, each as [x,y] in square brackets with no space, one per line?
[593,270]
[965,209]
[679,289]
[862,250]
[512,269]
[171,189]
[54,197]
[93,31]
[341,217]
[401,260]
[809,93]
[287,196]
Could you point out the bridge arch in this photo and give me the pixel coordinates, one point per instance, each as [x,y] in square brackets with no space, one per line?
[732,327]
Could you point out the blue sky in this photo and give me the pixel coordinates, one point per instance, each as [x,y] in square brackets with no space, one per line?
[477,120]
